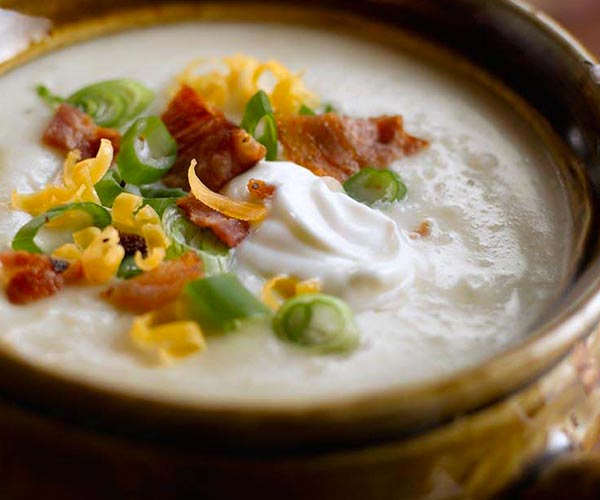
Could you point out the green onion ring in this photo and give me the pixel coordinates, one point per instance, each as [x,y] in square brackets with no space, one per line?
[221,303]
[112,103]
[371,186]
[321,323]
[259,109]
[160,205]
[185,236]
[158,191]
[25,237]
[111,186]
[147,151]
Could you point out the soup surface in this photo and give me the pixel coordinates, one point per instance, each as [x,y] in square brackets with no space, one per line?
[486,185]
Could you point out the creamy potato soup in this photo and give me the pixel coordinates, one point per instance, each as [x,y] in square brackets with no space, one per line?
[341,279]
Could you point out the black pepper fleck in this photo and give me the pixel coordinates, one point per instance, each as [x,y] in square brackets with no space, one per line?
[58,265]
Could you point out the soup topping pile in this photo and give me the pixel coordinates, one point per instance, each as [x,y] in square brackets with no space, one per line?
[160,209]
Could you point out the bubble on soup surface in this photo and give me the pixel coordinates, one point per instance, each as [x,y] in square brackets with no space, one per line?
[482,161]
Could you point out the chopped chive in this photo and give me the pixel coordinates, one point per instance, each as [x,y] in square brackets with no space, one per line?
[371,186]
[317,322]
[25,237]
[259,110]
[221,303]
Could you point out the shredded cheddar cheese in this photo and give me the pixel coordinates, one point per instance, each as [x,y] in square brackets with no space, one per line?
[103,256]
[130,217]
[69,252]
[124,214]
[157,243]
[283,287]
[166,334]
[242,77]
[77,185]
[309,286]
[98,251]
[241,210]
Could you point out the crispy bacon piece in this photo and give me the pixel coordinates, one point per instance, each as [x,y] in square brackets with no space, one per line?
[222,149]
[423,231]
[339,146]
[71,129]
[73,273]
[153,289]
[29,277]
[230,231]
[260,189]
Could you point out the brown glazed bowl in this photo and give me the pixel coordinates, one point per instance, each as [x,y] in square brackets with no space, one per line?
[483,432]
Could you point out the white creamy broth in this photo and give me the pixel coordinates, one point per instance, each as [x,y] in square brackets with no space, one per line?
[500,222]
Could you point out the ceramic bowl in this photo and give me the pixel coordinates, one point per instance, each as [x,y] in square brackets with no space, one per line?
[469,435]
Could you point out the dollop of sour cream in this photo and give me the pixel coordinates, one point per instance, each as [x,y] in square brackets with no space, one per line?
[315,230]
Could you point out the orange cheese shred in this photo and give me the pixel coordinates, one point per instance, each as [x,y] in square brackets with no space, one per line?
[229,83]
[283,287]
[167,333]
[241,210]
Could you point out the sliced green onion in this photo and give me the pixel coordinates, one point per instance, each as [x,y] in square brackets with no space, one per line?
[317,322]
[160,205]
[25,237]
[128,268]
[157,191]
[48,96]
[186,236]
[111,186]
[371,186]
[112,103]
[161,198]
[329,108]
[259,109]
[147,151]
[306,111]
[221,303]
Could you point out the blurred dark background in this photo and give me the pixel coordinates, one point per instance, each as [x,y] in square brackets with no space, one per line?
[582,17]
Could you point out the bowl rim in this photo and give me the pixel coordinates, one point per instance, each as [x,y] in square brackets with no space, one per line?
[404,405]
